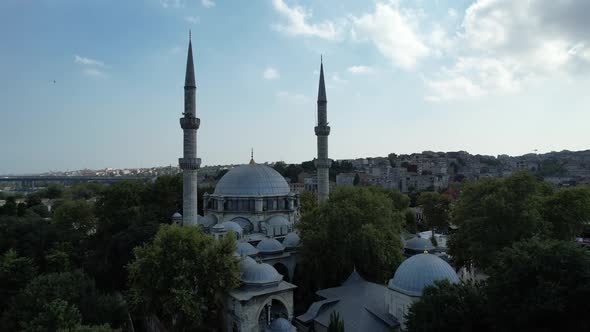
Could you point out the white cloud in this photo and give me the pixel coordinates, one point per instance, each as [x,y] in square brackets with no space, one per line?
[172,3]
[297,23]
[94,72]
[208,3]
[271,73]
[192,19]
[87,61]
[359,69]
[394,34]
[452,12]
[293,98]
[505,45]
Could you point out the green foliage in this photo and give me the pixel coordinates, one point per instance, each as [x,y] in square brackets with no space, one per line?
[15,273]
[552,167]
[55,298]
[308,201]
[220,174]
[435,208]
[567,211]
[446,307]
[293,171]
[493,213]
[410,219]
[179,276]
[280,167]
[84,191]
[540,285]
[357,226]
[9,208]
[336,323]
[33,199]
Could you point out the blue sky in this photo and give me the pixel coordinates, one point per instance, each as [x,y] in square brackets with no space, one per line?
[486,76]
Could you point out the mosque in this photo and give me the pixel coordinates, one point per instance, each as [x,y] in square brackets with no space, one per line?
[254,203]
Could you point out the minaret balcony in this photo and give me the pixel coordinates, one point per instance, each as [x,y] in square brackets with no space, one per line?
[189,163]
[190,123]
[323,163]
[322,130]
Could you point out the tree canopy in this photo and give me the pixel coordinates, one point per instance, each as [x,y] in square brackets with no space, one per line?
[357,226]
[179,276]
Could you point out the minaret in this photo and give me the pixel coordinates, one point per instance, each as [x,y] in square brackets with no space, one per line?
[189,163]
[322,130]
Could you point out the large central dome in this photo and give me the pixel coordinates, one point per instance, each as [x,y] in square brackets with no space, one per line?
[252,180]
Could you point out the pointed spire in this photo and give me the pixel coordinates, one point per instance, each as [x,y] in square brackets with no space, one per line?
[189,80]
[322,87]
[252,162]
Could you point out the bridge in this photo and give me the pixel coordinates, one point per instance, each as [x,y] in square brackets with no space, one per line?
[29,181]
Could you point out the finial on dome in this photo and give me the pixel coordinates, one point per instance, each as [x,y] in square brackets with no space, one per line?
[252,162]
[425,251]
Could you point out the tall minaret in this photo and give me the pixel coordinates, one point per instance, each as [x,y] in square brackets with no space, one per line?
[322,130]
[189,163]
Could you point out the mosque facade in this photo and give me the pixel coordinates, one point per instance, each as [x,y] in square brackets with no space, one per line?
[254,203]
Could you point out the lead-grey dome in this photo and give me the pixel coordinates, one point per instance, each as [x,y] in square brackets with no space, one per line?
[419,244]
[259,274]
[246,249]
[280,325]
[269,246]
[232,226]
[420,271]
[252,180]
[291,240]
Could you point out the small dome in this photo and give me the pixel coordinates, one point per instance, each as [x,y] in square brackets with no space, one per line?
[246,249]
[259,274]
[277,225]
[419,244]
[245,260]
[269,246]
[177,215]
[208,220]
[420,271]
[278,221]
[291,240]
[252,180]
[280,325]
[232,226]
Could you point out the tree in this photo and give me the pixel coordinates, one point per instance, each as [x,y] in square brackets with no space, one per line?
[280,167]
[357,226]
[567,211]
[493,213]
[15,273]
[179,276]
[435,208]
[540,285]
[9,208]
[410,218]
[450,307]
[308,201]
[336,323]
[59,299]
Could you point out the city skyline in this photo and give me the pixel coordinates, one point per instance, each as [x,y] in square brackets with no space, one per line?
[402,77]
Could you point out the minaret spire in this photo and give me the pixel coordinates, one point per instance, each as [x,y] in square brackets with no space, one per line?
[322,131]
[189,163]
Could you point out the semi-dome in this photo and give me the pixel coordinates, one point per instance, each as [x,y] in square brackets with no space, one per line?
[280,325]
[269,246]
[232,226]
[277,225]
[419,244]
[208,220]
[292,240]
[420,271]
[259,274]
[252,180]
[246,249]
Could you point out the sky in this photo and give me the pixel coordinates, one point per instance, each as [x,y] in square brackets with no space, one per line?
[99,83]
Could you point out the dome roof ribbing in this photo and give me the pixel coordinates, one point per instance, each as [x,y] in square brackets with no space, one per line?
[291,240]
[269,246]
[420,271]
[252,180]
[246,249]
[259,274]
